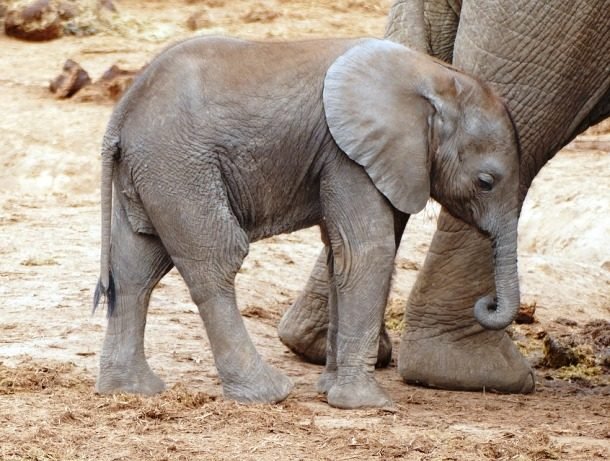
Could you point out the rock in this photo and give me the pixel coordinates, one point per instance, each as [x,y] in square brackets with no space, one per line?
[558,354]
[117,80]
[72,79]
[599,331]
[34,21]
[49,19]
[110,86]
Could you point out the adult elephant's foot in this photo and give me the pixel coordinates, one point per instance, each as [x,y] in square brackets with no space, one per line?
[483,361]
[259,384]
[304,326]
[361,392]
[443,345]
[135,378]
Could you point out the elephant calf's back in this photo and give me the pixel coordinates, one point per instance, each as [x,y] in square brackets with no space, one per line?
[248,114]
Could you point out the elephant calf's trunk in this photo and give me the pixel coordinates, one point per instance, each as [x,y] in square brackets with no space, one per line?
[496,314]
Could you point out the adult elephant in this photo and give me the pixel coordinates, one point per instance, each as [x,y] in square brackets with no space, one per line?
[551,63]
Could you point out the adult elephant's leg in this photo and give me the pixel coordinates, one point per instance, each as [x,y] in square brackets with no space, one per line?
[553,94]
[442,345]
[304,326]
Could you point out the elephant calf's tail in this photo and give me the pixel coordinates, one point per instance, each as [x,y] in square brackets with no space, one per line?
[105,285]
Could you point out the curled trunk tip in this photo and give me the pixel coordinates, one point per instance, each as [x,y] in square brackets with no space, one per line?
[496,313]
[486,313]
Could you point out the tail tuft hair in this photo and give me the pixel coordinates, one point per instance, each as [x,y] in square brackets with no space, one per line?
[108,293]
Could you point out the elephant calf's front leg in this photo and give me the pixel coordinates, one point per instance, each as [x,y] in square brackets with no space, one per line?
[354,340]
[361,257]
[304,326]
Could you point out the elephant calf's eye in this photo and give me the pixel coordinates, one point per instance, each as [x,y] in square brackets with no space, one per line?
[485,182]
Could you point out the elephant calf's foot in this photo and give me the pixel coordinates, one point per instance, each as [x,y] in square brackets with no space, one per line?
[362,392]
[486,360]
[133,380]
[262,384]
[327,379]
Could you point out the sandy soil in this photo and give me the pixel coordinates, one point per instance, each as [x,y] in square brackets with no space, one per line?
[49,245]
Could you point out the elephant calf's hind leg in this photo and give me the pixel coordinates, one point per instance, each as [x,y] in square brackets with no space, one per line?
[210,275]
[138,263]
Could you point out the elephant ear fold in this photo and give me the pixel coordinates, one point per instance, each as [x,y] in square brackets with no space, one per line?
[377,115]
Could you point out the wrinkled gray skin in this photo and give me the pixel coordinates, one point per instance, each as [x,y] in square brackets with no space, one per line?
[222,142]
[551,63]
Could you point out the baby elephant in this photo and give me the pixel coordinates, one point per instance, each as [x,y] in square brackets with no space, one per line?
[220,142]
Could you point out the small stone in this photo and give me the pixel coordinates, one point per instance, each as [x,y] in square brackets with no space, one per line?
[199,20]
[557,354]
[566,322]
[525,315]
[259,13]
[67,10]
[108,5]
[72,78]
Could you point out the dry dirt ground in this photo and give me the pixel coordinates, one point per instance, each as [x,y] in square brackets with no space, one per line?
[49,244]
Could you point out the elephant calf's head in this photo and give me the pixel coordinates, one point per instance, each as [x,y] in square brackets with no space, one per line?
[421,128]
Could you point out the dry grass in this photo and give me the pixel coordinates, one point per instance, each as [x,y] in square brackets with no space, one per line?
[50,412]
[36,377]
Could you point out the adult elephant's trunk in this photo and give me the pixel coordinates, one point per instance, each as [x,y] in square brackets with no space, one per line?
[496,314]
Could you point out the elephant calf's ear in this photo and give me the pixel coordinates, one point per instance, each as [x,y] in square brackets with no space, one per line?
[377,117]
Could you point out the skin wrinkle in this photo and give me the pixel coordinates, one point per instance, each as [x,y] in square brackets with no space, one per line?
[544,67]
[526,140]
[239,196]
[298,182]
[441,21]
[395,30]
[348,252]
